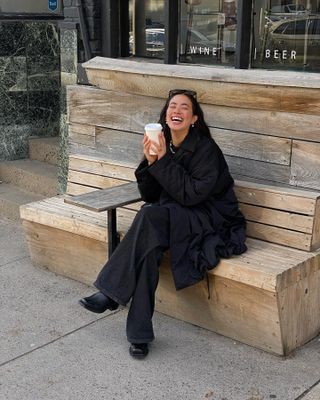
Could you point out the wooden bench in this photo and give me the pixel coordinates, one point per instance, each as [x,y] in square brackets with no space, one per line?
[268,297]
[267,125]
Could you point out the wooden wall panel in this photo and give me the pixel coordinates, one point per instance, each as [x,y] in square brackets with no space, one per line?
[253,146]
[305,169]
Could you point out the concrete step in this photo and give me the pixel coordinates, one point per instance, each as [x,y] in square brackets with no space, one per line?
[44,149]
[31,175]
[12,197]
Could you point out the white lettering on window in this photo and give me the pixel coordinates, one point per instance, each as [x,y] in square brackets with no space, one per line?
[293,55]
[267,53]
[276,54]
[206,50]
[193,49]
[284,54]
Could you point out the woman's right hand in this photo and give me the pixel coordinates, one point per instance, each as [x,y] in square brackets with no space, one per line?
[147,144]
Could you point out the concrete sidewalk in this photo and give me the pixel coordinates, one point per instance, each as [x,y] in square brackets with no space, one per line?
[51,348]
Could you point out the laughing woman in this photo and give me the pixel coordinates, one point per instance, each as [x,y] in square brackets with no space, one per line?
[190,209]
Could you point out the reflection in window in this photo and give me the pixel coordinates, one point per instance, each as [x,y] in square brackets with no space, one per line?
[146,28]
[286,35]
[208,31]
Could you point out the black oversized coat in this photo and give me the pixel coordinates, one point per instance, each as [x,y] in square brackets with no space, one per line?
[197,188]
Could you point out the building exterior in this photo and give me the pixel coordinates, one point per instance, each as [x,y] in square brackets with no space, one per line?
[43,45]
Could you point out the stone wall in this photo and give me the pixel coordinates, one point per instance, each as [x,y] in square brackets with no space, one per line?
[29,84]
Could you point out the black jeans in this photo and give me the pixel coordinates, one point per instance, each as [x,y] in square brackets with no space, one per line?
[132,272]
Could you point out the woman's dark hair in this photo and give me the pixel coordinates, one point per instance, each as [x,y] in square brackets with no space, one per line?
[200,124]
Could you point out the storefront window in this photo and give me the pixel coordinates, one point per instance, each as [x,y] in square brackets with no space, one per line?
[146,28]
[287,35]
[208,31]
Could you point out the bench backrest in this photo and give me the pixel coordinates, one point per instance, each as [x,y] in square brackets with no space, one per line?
[106,146]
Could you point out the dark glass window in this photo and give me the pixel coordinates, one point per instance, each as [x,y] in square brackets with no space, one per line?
[287,35]
[146,28]
[208,31]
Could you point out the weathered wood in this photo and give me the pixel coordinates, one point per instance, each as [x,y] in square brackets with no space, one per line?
[253,146]
[243,168]
[282,236]
[65,253]
[286,199]
[95,181]
[126,112]
[273,123]
[292,221]
[305,168]
[82,129]
[107,199]
[242,312]
[299,311]
[316,228]
[101,167]
[256,95]
[88,140]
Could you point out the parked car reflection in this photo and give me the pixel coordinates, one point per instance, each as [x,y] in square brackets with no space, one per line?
[300,34]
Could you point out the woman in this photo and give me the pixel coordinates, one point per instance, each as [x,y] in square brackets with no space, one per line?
[190,208]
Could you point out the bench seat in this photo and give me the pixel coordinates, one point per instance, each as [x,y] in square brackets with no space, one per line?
[268,297]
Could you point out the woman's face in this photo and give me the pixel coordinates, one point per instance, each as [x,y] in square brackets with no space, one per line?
[179,115]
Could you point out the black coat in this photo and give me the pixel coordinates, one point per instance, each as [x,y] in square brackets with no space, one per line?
[205,221]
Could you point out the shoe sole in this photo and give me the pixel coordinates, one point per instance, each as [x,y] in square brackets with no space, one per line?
[140,356]
[94,310]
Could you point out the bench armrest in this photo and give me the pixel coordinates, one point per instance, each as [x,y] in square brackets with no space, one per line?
[107,199]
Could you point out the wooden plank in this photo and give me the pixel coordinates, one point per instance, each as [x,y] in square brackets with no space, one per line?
[242,312]
[65,253]
[253,146]
[73,189]
[299,311]
[87,140]
[278,235]
[273,123]
[110,156]
[120,145]
[107,199]
[82,129]
[316,228]
[93,180]
[272,197]
[114,110]
[243,168]
[305,167]
[252,95]
[106,108]
[252,76]
[100,167]
[291,221]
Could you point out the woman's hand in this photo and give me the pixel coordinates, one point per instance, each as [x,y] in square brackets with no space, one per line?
[160,149]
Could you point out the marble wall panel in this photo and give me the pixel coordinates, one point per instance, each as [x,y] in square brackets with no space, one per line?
[14,141]
[43,73]
[42,38]
[12,39]
[13,74]
[44,112]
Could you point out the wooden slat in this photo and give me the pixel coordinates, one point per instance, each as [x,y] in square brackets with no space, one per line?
[101,108]
[100,167]
[316,228]
[87,140]
[273,123]
[73,189]
[272,198]
[282,236]
[291,221]
[252,94]
[305,168]
[82,129]
[245,168]
[120,145]
[93,180]
[253,146]
[107,199]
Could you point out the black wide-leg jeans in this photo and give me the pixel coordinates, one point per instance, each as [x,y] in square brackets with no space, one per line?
[132,272]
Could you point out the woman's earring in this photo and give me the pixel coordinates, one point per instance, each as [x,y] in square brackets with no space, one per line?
[192,126]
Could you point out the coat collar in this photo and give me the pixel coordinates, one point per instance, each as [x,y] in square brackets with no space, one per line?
[190,141]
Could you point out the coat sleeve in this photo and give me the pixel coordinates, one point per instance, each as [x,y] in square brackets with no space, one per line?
[193,186]
[149,188]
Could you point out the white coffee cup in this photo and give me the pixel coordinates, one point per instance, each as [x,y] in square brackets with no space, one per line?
[152,131]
